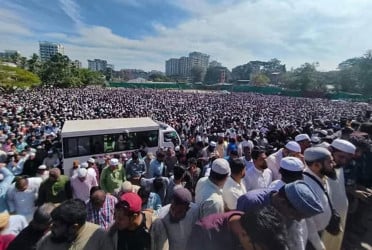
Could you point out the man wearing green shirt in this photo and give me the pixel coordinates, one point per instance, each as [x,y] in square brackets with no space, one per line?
[112,176]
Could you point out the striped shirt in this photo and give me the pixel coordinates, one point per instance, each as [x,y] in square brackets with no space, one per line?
[103,216]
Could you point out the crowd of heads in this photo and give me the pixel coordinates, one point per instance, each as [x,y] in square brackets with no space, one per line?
[222,136]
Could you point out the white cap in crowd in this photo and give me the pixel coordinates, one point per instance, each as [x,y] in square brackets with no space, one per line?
[221,166]
[84,165]
[302,137]
[292,164]
[316,153]
[344,146]
[293,146]
[82,172]
[114,162]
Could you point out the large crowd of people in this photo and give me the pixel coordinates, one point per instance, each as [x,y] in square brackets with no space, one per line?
[252,172]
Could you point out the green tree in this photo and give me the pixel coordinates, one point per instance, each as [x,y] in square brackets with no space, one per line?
[158,77]
[34,64]
[89,77]
[213,75]
[56,71]
[304,78]
[15,58]
[242,72]
[23,62]
[260,80]
[13,77]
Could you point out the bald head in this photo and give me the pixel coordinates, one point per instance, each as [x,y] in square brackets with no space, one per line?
[54,173]
[98,198]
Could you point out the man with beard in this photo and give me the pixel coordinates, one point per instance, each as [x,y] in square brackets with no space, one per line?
[343,152]
[71,231]
[319,168]
[173,227]
[258,175]
[38,227]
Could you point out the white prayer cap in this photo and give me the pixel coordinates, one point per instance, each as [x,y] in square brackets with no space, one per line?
[316,153]
[91,160]
[344,146]
[84,165]
[221,166]
[82,172]
[212,144]
[315,139]
[114,162]
[302,137]
[293,146]
[292,164]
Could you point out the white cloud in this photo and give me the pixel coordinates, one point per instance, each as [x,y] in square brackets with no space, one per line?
[72,10]
[12,23]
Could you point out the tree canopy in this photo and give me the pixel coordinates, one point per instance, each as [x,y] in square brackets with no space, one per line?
[14,77]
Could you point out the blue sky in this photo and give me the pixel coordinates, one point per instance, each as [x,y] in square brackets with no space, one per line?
[143,34]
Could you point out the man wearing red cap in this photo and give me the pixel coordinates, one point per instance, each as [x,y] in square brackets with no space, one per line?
[130,230]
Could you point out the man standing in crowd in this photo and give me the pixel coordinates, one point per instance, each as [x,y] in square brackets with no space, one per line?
[157,167]
[304,141]
[342,152]
[31,165]
[21,196]
[173,227]
[295,201]
[101,208]
[82,183]
[93,169]
[6,178]
[135,168]
[319,170]
[71,231]
[192,175]
[258,175]
[38,227]
[292,148]
[175,181]
[55,189]
[131,227]
[234,186]
[112,176]
[247,147]
[51,161]
[291,170]
[209,189]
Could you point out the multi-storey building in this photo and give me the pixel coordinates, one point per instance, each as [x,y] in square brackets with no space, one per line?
[182,67]
[172,67]
[49,49]
[97,65]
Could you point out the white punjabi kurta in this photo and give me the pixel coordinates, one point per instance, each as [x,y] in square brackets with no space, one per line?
[340,203]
